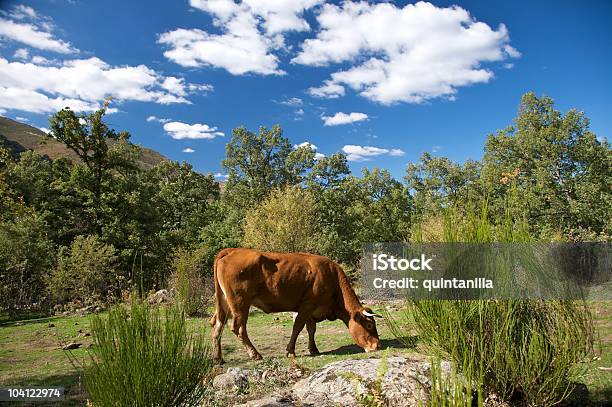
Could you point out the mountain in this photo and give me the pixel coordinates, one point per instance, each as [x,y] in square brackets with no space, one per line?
[20,137]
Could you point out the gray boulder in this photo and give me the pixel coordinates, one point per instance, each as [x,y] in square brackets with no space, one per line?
[402,383]
[234,379]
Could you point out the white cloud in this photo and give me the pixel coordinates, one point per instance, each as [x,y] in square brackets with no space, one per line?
[38,60]
[31,101]
[178,87]
[82,84]
[328,90]
[38,33]
[22,53]
[21,119]
[436,50]
[21,11]
[365,153]
[343,118]
[44,129]
[188,150]
[221,177]
[180,131]
[314,148]
[293,102]
[157,119]
[250,31]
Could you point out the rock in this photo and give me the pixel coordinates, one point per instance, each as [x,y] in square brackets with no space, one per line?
[405,382]
[72,345]
[272,401]
[159,297]
[234,379]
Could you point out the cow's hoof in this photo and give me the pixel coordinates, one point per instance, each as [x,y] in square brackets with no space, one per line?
[314,352]
[256,356]
[290,354]
[219,361]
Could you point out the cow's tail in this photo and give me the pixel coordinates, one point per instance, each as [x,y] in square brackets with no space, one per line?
[218,291]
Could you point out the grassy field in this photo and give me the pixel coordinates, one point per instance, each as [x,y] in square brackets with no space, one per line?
[31,354]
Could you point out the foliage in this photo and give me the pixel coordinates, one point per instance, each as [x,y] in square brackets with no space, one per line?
[89,137]
[146,357]
[519,350]
[561,171]
[438,182]
[261,162]
[285,222]
[26,256]
[86,272]
[547,174]
[192,284]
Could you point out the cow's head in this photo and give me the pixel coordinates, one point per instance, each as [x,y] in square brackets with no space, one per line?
[363,329]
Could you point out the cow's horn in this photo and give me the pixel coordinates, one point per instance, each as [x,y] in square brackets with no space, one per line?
[369,314]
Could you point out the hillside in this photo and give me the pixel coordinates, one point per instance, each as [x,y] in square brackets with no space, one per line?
[20,137]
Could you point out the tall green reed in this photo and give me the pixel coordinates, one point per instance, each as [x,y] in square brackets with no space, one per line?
[524,351]
[145,356]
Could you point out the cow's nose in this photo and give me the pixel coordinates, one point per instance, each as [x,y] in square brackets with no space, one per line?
[373,347]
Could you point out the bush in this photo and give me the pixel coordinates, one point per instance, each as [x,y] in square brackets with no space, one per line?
[192,284]
[26,256]
[524,351]
[286,221]
[143,357]
[85,272]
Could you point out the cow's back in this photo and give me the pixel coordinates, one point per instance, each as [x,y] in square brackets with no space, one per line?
[276,282]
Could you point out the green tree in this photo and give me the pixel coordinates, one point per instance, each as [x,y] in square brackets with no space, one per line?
[258,163]
[285,221]
[26,256]
[85,272]
[183,197]
[438,182]
[552,169]
[383,208]
[90,138]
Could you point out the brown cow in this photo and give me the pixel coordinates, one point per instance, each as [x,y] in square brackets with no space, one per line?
[313,286]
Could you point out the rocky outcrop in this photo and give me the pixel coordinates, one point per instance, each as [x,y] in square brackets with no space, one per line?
[395,381]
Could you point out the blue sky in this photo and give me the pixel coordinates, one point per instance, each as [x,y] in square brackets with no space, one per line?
[382,81]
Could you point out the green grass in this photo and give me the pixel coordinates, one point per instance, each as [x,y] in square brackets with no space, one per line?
[30,354]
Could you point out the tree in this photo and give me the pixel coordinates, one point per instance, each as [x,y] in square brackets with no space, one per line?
[552,169]
[26,256]
[184,197]
[86,272]
[90,138]
[258,163]
[286,221]
[383,208]
[438,182]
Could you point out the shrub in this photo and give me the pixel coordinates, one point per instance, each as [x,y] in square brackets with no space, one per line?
[524,351]
[85,271]
[145,357]
[286,221]
[189,278]
[26,255]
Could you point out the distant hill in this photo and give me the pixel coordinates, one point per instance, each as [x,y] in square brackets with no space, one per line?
[20,137]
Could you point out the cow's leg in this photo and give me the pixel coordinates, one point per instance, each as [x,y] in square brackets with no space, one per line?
[239,323]
[298,324]
[218,322]
[311,327]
